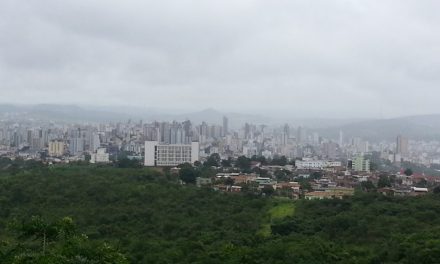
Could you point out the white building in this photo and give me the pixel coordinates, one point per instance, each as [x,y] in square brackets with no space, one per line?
[162,154]
[316,164]
[101,156]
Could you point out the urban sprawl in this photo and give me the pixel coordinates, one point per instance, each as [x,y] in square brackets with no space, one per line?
[294,162]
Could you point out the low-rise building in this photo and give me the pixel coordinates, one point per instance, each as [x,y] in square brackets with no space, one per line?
[316,164]
[336,193]
[416,191]
[361,164]
[101,156]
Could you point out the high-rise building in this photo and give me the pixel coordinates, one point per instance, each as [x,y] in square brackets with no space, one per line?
[165,132]
[316,139]
[402,146]
[225,126]
[301,135]
[285,135]
[56,148]
[76,146]
[341,138]
[203,132]
[359,145]
[162,154]
[151,132]
[95,142]
[330,150]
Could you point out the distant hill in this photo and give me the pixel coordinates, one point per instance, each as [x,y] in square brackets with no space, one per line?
[413,127]
[68,113]
[74,113]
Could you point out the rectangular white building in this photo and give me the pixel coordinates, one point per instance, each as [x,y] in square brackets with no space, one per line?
[161,154]
[101,156]
[316,164]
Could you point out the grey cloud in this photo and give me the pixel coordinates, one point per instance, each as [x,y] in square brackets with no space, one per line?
[312,58]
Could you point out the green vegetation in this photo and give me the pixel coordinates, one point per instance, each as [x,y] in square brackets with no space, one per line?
[367,228]
[281,211]
[147,216]
[42,242]
[278,211]
[139,215]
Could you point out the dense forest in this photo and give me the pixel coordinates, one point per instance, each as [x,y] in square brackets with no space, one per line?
[80,213]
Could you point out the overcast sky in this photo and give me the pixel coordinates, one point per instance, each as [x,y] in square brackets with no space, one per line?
[308,58]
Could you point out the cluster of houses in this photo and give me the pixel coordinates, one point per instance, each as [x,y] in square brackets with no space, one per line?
[332,183]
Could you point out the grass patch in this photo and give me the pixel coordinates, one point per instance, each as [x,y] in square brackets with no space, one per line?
[281,211]
[277,212]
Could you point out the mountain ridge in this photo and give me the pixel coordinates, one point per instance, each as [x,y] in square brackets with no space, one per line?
[415,126]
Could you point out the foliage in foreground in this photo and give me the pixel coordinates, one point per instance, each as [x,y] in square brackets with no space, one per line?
[150,218]
[38,241]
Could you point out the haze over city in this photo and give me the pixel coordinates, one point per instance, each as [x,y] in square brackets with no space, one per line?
[326,59]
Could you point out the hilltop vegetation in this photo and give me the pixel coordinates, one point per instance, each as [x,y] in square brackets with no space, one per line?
[150,218]
[145,216]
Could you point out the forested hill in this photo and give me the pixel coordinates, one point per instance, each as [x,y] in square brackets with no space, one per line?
[148,217]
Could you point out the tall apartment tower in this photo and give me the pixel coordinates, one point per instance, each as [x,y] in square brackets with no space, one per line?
[341,138]
[285,134]
[56,148]
[225,126]
[402,146]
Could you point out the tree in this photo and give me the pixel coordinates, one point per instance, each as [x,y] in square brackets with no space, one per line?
[213,160]
[436,190]
[188,174]
[229,181]
[260,172]
[206,172]
[305,185]
[128,163]
[243,163]
[60,244]
[408,172]
[281,175]
[268,190]
[87,157]
[38,229]
[227,162]
[316,175]
[383,181]
[367,186]
[280,161]
[260,159]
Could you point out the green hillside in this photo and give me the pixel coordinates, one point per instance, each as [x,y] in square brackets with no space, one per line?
[150,218]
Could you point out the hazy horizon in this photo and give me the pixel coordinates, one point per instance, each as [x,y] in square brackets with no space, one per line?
[274,116]
[320,59]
